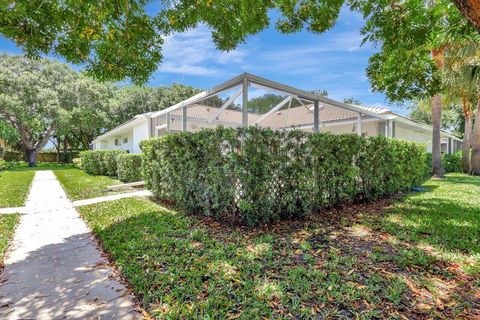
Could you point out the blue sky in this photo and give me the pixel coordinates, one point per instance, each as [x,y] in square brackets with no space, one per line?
[333,61]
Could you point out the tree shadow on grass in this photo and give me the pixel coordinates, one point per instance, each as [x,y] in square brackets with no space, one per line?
[439,222]
[329,266]
[463,179]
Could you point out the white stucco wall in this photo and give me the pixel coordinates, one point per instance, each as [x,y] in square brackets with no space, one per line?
[369,129]
[414,134]
[109,142]
[140,132]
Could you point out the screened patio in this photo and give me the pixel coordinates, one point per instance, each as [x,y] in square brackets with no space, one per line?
[234,104]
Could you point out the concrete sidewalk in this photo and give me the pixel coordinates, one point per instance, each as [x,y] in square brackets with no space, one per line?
[54,269]
[140,193]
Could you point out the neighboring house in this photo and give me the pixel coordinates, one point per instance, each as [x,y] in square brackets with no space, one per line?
[298,109]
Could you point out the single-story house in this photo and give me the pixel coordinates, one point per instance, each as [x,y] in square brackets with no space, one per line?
[297,109]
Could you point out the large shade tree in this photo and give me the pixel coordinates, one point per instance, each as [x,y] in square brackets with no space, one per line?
[30,96]
[412,36]
[85,113]
[42,98]
[129,101]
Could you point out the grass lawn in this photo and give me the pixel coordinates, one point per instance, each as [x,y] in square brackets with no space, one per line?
[80,185]
[14,187]
[416,258]
[7,227]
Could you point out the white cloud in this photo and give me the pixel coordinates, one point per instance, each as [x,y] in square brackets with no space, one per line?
[194,53]
[187,69]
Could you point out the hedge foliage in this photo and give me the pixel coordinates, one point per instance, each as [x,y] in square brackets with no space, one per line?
[129,167]
[77,162]
[100,162]
[254,176]
[450,162]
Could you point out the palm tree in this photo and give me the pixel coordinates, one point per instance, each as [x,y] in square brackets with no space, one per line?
[461,89]
[462,77]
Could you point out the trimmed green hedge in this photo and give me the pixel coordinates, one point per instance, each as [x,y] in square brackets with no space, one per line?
[450,162]
[77,162]
[129,167]
[254,176]
[100,162]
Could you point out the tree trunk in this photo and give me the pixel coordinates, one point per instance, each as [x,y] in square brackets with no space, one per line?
[65,149]
[475,158]
[467,114]
[471,10]
[466,141]
[32,157]
[438,56]
[437,170]
[57,148]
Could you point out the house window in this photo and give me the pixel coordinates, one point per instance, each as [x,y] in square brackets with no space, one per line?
[125,140]
[117,141]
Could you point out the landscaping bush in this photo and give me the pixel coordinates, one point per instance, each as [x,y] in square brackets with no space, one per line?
[77,162]
[129,167]
[452,162]
[100,162]
[256,176]
[13,156]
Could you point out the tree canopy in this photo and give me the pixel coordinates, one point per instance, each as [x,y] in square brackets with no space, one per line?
[128,101]
[8,133]
[119,39]
[30,98]
[42,100]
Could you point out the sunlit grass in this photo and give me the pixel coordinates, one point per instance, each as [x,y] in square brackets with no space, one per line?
[14,187]
[444,220]
[371,265]
[80,185]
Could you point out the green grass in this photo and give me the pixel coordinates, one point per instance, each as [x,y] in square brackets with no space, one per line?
[444,221]
[23,166]
[354,263]
[80,185]
[7,227]
[14,187]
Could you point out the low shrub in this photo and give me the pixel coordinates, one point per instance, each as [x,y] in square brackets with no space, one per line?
[254,176]
[77,162]
[452,162]
[129,167]
[13,165]
[13,156]
[100,162]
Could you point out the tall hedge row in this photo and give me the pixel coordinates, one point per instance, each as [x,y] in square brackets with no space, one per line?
[253,176]
[101,162]
[129,167]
